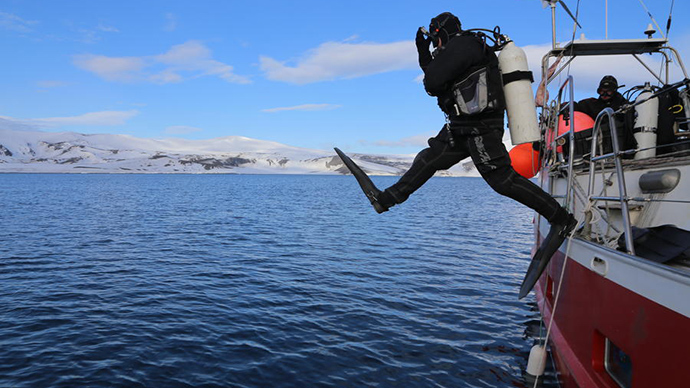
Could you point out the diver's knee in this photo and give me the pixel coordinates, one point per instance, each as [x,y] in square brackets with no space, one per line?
[421,156]
[501,180]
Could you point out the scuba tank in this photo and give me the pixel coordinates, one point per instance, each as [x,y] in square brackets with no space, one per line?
[517,88]
[646,123]
[476,93]
[685,103]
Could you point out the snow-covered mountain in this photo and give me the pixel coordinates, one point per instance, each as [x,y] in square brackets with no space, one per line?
[69,152]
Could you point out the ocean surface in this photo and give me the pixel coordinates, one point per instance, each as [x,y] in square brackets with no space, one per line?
[260,281]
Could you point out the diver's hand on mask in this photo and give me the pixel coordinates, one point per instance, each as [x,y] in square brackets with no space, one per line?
[422,41]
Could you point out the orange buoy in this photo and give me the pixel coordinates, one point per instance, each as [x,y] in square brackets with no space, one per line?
[582,122]
[524,160]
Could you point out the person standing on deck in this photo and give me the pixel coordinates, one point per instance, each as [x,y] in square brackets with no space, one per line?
[609,97]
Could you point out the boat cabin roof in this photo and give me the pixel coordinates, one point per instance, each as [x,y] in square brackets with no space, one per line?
[610,47]
[634,47]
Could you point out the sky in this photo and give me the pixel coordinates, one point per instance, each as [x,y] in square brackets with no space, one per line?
[313,74]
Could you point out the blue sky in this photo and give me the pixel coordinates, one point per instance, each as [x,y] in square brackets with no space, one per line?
[313,74]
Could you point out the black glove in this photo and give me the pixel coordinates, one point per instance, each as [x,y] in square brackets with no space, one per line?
[423,48]
[422,42]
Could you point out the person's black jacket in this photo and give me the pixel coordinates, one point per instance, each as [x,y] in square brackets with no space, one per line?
[593,106]
[624,121]
[462,54]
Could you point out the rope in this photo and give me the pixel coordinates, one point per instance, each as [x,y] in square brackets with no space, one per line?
[557,297]
[596,216]
[668,22]
[572,39]
[652,17]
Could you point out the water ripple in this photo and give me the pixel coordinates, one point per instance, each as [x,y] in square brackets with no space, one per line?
[255,281]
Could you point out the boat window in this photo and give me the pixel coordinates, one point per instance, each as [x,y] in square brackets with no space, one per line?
[618,364]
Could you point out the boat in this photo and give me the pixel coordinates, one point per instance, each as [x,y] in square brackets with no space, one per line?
[615,298]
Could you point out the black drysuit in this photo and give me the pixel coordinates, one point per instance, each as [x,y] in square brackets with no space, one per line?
[624,121]
[593,106]
[478,136]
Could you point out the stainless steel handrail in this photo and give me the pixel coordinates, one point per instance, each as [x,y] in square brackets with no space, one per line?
[623,195]
[571,135]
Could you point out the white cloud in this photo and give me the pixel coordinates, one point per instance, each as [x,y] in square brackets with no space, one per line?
[181,130]
[191,58]
[104,28]
[185,55]
[125,69]
[103,118]
[167,76]
[15,125]
[411,141]
[337,60]
[90,35]
[13,22]
[305,107]
[171,22]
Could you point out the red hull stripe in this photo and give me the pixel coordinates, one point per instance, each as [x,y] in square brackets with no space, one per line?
[593,308]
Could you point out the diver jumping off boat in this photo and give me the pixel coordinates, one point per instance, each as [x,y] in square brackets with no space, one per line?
[463,74]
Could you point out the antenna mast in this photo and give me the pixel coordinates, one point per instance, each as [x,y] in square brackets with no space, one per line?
[553,24]
[606,16]
[552,3]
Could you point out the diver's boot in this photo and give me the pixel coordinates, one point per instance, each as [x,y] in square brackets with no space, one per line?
[373,198]
[381,200]
[565,227]
[561,228]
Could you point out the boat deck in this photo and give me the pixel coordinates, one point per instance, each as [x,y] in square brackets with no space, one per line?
[647,209]
[676,159]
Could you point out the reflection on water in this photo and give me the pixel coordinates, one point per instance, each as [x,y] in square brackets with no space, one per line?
[259,281]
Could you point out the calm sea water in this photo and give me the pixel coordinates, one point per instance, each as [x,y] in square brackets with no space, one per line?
[259,281]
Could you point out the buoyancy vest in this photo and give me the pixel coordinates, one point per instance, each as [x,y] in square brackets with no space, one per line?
[477,90]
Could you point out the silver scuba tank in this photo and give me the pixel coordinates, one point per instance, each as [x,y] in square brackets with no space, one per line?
[520,107]
[646,123]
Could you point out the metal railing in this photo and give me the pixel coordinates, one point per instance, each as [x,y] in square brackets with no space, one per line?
[622,198]
[571,135]
[607,113]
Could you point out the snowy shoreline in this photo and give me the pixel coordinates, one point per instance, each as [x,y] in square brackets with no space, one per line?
[75,153]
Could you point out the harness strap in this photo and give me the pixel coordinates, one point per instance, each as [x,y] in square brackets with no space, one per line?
[517,75]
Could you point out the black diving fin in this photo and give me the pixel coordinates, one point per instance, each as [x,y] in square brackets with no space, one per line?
[365,183]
